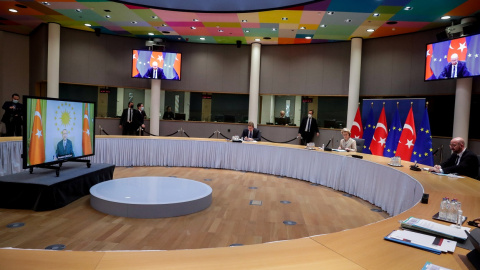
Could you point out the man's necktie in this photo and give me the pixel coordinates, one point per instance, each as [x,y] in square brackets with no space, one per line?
[249,134]
[64,145]
[457,159]
[454,71]
[129,115]
[154,73]
[307,128]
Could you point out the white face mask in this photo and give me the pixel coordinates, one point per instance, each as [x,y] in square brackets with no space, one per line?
[309,116]
[15,101]
[141,108]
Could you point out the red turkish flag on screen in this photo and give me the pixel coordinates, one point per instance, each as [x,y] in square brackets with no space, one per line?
[357,128]
[86,141]
[380,136]
[428,69]
[458,46]
[407,139]
[36,152]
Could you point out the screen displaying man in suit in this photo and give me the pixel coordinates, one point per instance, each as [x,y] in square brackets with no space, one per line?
[462,161]
[308,128]
[251,133]
[454,69]
[64,147]
[155,72]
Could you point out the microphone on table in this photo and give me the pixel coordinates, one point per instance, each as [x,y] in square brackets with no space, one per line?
[326,148]
[415,167]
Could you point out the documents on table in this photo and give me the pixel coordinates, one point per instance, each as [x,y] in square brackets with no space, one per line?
[433,244]
[339,150]
[431,266]
[448,175]
[431,227]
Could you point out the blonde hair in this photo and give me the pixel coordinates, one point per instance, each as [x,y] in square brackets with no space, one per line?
[345,130]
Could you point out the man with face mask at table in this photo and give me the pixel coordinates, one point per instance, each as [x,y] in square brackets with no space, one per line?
[140,119]
[128,120]
[13,116]
[308,128]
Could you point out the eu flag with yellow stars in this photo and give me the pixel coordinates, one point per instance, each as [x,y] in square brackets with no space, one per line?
[368,131]
[422,150]
[394,133]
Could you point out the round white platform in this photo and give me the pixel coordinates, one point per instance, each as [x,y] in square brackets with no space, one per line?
[150,197]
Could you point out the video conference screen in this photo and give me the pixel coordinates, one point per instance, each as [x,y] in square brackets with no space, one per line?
[451,59]
[57,130]
[156,65]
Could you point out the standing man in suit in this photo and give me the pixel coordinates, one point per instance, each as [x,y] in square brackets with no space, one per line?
[454,69]
[127,121]
[462,161]
[64,147]
[308,128]
[251,133]
[140,118]
[13,116]
[155,72]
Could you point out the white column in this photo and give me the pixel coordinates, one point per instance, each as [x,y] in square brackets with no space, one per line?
[461,118]
[254,83]
[354,81]
[146,104]
[155,107]
[120,93]
[186,105]
[53,60]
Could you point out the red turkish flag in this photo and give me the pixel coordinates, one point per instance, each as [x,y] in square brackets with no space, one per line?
[380,136]
[357,128]
[407,139]
[36,152]
[458,46]
[86,141]
[428,69]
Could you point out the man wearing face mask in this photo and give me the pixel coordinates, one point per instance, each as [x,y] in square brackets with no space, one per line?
[13,116]
[128,119]
[140,119]
[308,128]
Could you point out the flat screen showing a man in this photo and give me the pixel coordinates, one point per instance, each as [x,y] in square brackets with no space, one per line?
[454,69]
[64,147]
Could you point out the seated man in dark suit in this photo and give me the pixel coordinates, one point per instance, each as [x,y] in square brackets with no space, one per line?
[462,161]
[454,69]
[154,72]
[251,133]
[64,147]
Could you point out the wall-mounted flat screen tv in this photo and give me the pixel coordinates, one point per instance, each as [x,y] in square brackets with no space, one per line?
[156,65]
[57,130]
[451,59]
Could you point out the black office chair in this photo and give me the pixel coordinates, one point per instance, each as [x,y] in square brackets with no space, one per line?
[360,144]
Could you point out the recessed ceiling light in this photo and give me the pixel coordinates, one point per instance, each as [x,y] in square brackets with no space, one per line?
[376,14]
[46,3]
[330,12]
[13,10]
[195,20]
[308,37]
[408,8]
[202,38]
[134,22]
[108,16]
[150,34]
[303,28]
[323,25]
[348,20]
[274,29]
[244,20]
[247,31]
[284,19]
[78,10]
[88,25]
[257,39]
[154,17]
[164,25]
[220,30]
[107,10]
[445,17]
[370,30]
[193,27]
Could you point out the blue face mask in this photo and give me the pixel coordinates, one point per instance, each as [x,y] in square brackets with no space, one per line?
[15,101]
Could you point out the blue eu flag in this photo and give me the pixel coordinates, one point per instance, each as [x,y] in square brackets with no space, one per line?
[422,150]
[368,131]
[394,133]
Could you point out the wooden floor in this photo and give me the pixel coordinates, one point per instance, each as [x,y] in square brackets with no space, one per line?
[229,220]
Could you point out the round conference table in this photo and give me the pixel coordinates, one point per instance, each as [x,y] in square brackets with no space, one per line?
[397,190]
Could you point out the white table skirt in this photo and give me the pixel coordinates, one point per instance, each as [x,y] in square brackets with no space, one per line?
[385,187]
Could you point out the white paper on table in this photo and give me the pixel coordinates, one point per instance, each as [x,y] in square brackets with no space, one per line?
[432,226]
[424,240]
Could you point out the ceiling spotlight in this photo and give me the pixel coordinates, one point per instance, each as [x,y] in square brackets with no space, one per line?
[370,30]
[257,39]
[150,34]
[46,3]
[108,16]
[202,38]
[195,20]
[134,22]
[348,20]
[303,28]
[247,31]
[274,29]
[376,14]
[323,25]
[164,24]
[445,17]
[284,19]
[308,37]
[330,12]
[193,27]
[88,25]
[78,10]
[244,20]
[408,8]
[220,30]
[13,10]
[154,17]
